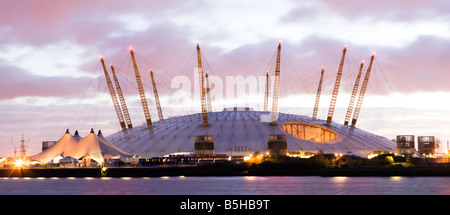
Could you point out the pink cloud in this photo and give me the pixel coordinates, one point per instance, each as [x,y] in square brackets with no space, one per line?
[404,10]
[16,82]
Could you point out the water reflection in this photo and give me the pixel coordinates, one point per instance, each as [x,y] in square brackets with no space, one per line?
[396,178]
[250,185]
[250,178]
[339,179]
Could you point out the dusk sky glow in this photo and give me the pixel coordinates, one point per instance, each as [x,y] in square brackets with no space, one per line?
[51,79]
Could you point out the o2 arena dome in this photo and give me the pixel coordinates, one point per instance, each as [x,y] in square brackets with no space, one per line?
[244,131]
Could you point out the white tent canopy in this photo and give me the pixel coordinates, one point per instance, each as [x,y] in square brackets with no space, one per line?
[97,147]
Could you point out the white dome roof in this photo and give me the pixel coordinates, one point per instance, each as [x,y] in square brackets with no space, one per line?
[241,131]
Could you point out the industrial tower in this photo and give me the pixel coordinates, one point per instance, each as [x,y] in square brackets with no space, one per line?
[22,148]
[158,104]
[113,96]
[202,88]
[336,89]
[362,92]
[319,91]
[354,92]
[275,87]
[141,92]
[121,99]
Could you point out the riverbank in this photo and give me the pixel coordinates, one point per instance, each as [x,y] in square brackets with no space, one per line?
[201,170]
[232,169]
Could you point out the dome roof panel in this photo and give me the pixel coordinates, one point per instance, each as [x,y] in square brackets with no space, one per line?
[243,130]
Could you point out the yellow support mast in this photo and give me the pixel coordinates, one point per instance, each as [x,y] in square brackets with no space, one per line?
[319,91]
[352,99]
[155,92]
[122,99]
[113,96]
[202,88]
[276,87]
[148,118]
[362,92]
[336,89]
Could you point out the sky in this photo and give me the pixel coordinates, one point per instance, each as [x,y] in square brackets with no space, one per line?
[51,79]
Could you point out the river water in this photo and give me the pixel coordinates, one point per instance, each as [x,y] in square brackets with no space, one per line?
[310,185]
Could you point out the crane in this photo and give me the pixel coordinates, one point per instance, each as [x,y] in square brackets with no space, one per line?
[113,96]
[202,88]
[276,87]
[208,94]
[155,92]
[148,118]
[336,88]
[354,92]
[362,92]
[121,99]
[319,90]
[266,94]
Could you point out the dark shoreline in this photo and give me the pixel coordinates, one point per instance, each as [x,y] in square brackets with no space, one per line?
[224,170]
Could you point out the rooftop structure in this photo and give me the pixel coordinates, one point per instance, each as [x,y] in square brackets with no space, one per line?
[96,146]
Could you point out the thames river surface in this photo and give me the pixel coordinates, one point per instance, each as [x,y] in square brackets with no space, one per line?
[310,185]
